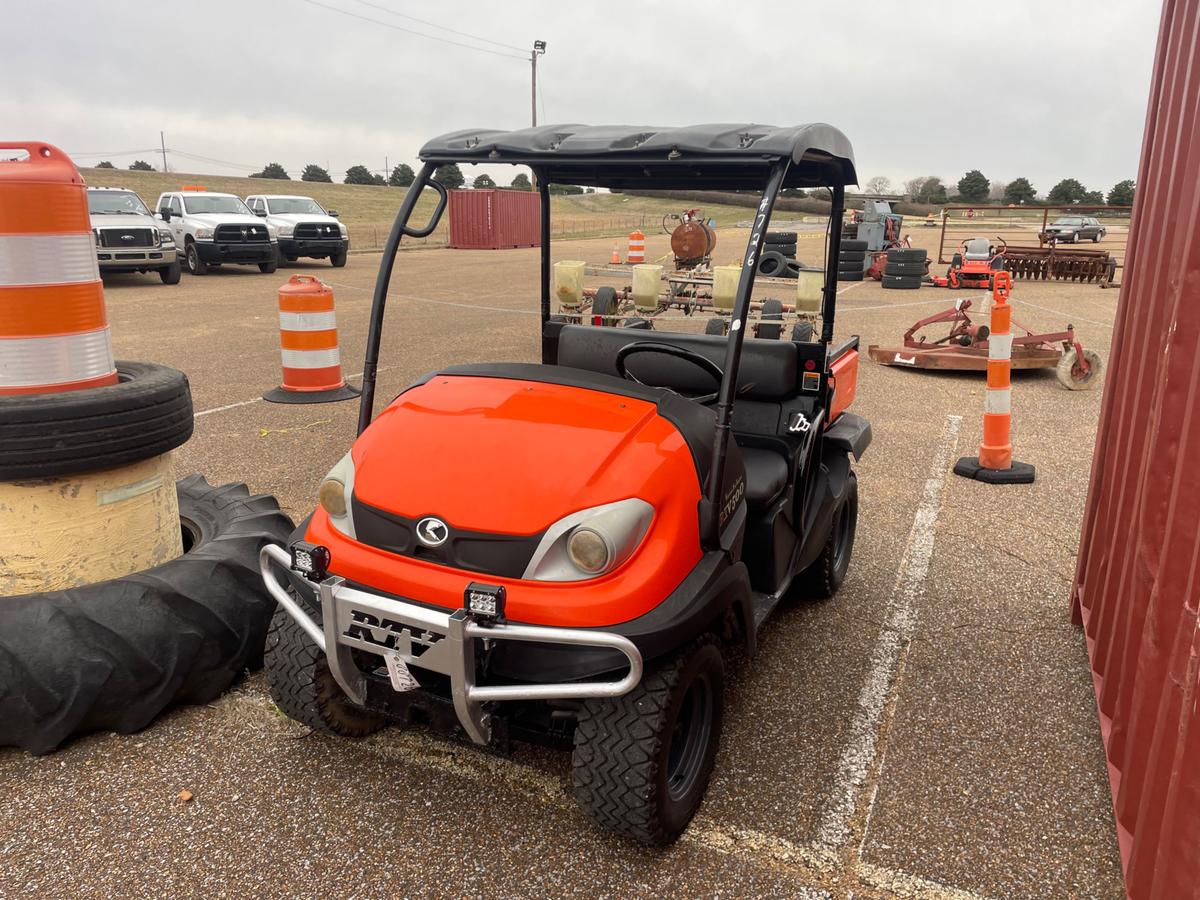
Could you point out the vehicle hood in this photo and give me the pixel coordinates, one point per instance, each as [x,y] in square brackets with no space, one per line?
[298,218]
[132,220]
[224,218]
[510,456]
[1061,227]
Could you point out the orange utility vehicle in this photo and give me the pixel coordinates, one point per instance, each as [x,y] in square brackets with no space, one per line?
[560,551]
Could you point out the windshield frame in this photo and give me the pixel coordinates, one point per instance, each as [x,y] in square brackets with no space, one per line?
[271,210]
[187,198]
[144,211]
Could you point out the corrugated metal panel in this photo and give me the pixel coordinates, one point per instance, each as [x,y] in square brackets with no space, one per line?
[1138,579]
[494,219]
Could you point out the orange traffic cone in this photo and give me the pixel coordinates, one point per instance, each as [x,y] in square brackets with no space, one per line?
[615,260]
[312,366]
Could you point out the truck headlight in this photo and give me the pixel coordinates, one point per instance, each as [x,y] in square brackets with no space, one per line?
[164,238]
[335,493]
[342,229]
[203,233]
[96,235]
[590,542]
[285,230]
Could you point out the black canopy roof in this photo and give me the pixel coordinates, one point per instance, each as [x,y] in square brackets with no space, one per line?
[701,157]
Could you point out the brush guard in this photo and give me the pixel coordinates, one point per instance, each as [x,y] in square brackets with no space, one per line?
[436,641]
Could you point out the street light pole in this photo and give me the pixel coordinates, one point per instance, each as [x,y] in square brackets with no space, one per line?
[539,47]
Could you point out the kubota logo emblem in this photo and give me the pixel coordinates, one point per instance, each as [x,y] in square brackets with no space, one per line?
[432,532]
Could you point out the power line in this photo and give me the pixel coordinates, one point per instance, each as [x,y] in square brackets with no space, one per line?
[346,12]
[392,12]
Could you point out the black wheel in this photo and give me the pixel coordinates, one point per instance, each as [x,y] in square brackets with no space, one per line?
[772,312]
[270,266]
[195,265]
[715,326]
[823,578]
[642,762]
[281,259]
[847,256]
[780,237]
[772,264]
[904,268]
[956,261]
[147,412]
[914,255]
[113,655]
[1096,238]
[901,282]
[605,304]
[853,245]
[850,276]
[337,260]
[301,684]
[291,257]
[802,331]
[171,274]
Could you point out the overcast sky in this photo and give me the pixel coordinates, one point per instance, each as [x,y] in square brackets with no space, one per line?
[1039,89]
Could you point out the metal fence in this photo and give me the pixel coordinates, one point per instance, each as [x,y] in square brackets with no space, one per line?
[1137,583]
[373,237]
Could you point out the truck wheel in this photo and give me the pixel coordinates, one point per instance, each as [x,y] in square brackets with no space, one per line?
[1071,375]
[337,260]
[823,578]
[302,685]
[195,265]
[642,762]
[281,259]
[170,274]
[270,266]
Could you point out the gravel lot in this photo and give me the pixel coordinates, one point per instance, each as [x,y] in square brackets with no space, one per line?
[929,733]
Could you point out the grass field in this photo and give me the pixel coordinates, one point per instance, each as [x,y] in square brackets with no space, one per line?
[368,211]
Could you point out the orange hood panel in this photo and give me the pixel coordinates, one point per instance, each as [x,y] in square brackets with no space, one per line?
[513,457]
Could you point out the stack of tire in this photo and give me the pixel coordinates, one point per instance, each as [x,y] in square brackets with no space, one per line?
[905,269]
[778,259]
[852,260]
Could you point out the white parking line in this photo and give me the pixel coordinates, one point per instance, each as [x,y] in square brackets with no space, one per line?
[860,752]
[217,409]
[1072,316]
[902,884]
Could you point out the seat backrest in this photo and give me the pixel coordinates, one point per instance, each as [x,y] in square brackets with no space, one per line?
[978,248]
[769,370]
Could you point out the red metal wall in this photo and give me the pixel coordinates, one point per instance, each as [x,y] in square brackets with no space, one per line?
[494,219]
[1138,578]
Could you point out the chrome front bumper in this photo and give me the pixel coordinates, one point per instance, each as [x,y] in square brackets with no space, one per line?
[435,641]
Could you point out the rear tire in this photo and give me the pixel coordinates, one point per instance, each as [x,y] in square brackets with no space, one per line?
[825,576]
[642,762]
[301,684]
[171,274]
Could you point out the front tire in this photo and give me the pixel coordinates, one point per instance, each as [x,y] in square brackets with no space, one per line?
[825,576]
[642,762]
[270,266]
[338,259]
[195,265]
[171,274]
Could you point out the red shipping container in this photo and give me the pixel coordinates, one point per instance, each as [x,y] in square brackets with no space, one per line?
[494,219]
[1137,582]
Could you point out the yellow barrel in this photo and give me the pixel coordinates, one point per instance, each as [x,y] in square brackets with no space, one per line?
[568,282]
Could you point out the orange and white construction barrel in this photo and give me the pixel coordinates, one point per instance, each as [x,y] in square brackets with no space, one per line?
[995,463]
[637,249]
[53,325]
[308,342]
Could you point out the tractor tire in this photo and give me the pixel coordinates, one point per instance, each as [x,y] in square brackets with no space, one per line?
[716,326]
[802,331]
[301,684]
[824,577]
[113,655]
[171,274]
[770,320]
[901,282]
[903,268]
[642,762]
[850,276]
[853,245]
[772,264]
[1072,377]
[147,412]
[195,265]
[605,304]
[907,255]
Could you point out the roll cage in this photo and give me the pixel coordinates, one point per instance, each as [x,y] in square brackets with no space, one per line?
[706,157]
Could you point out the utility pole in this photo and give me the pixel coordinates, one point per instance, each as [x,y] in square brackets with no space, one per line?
[386,171]
[539,47]
[162,142]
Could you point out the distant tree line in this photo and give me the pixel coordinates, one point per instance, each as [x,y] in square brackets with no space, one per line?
[975,187]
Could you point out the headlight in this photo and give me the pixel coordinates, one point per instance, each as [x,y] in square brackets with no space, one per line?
[284,230]
[96,234]
[591,542]
[335,493]
[342,229]
[164,238]
[203,233]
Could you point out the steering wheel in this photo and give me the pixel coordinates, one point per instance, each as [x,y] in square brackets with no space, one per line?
[701,362]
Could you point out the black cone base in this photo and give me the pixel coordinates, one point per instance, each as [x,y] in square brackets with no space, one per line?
[279,395]
[969,467]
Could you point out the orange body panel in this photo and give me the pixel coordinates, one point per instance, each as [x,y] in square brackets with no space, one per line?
[513,457]
[845,384]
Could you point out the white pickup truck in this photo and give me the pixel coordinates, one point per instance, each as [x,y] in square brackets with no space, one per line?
[211,229]
[303,226]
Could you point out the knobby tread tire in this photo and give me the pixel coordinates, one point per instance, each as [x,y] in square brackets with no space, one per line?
[148,412]
[823,578]
[113,655]
[901,282]
[619,748]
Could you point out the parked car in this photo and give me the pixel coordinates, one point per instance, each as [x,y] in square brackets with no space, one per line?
[211,229]
[303,227]
[1072,229]
[128,238]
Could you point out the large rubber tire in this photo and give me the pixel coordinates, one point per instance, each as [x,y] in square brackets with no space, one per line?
[780,237]
[850,276]
[802,331]
[301,684]
[148,412]
[847,256]
[171,274]
[903,268]
[907,255]
[634,771]
[852,245]
[113,655]
[338,260]
[195,265]
[605,304]
[825,576]
[901,282]
[770,325]
[268,267]
[772,264]
[716,326]
[1073,378]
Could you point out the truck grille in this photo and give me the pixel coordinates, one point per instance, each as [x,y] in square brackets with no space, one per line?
[126,237]
[241,234]
[316,231]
